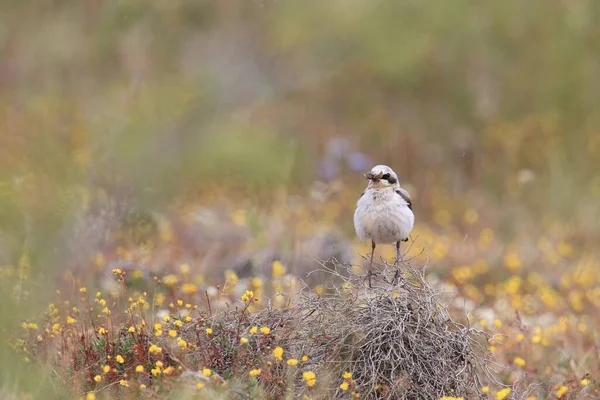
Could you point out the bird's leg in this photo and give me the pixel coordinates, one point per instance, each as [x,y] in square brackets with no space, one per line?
[371,265]
[397,274]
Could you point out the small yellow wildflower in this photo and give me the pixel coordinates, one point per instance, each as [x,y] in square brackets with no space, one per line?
[139,368]
[347,375]
[173,332]
[169,370]
[485,389]
[142,386]
[243,340]
[519,361]
[155,371]
[309,377]
[106,369]
[70,320]
[181,343]
[131,329]
[254,329]
[123,382]
[158,332]
[585,382]
[265,330]
[184,268]
[199,385]
[255,372]
[501,395]
[344,386]
[278,269]
[154,349]
[169,280]
[292,362]
[561,391]
[101,331]
[206,372]
[82,290]
[497,323]
[278,353]
[97,378]
[119,359]
[187,318]
[247,295]
[90,396]
[304,358]
[178,323]
[117,271]
[189,288]
[209,331]
[179,303]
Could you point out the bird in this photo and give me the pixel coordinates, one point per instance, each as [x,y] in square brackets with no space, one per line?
[383,211]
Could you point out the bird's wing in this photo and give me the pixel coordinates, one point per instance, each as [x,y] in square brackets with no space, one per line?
[404,194]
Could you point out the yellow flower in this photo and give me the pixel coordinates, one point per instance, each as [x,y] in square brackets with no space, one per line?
[90,396]
[159,364]
[139,368]
[292,362]
[278,353]
[254,329]
[278,269]
[585,382]
[154,349]
[189,288]
[131,329]
[485,389]
[209,331]
[169,280]
[206,372]
[265,330]
[184,268]
[243,340]
[181,343]
[497,323]
[142,386]
[304,358]
[106,369]
[501,395]
[179,303]
[255,372]
[187,318]
[199,385]
[512,261]
[309,377]
[82,290]
[123,382]
[119,359]
[172,332]
[178,323]
[247,295]
[519,361]
[97,378]
[101,331]
[169,370]
[71,321]
[344,386]
[117,271]
[158,332]
[155,371]
[347,375]
[561,391]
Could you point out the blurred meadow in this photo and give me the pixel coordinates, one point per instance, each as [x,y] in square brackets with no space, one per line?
[160,160]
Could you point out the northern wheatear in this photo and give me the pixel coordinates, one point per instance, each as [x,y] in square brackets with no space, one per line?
[384,211]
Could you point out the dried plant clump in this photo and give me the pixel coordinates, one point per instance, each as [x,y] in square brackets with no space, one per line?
[396,337]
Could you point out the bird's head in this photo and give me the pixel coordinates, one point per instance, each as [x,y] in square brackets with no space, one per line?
[381,176]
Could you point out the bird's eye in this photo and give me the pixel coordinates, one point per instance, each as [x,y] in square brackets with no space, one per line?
[385,176]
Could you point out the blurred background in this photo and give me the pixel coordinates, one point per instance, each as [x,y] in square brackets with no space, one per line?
[227,134]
